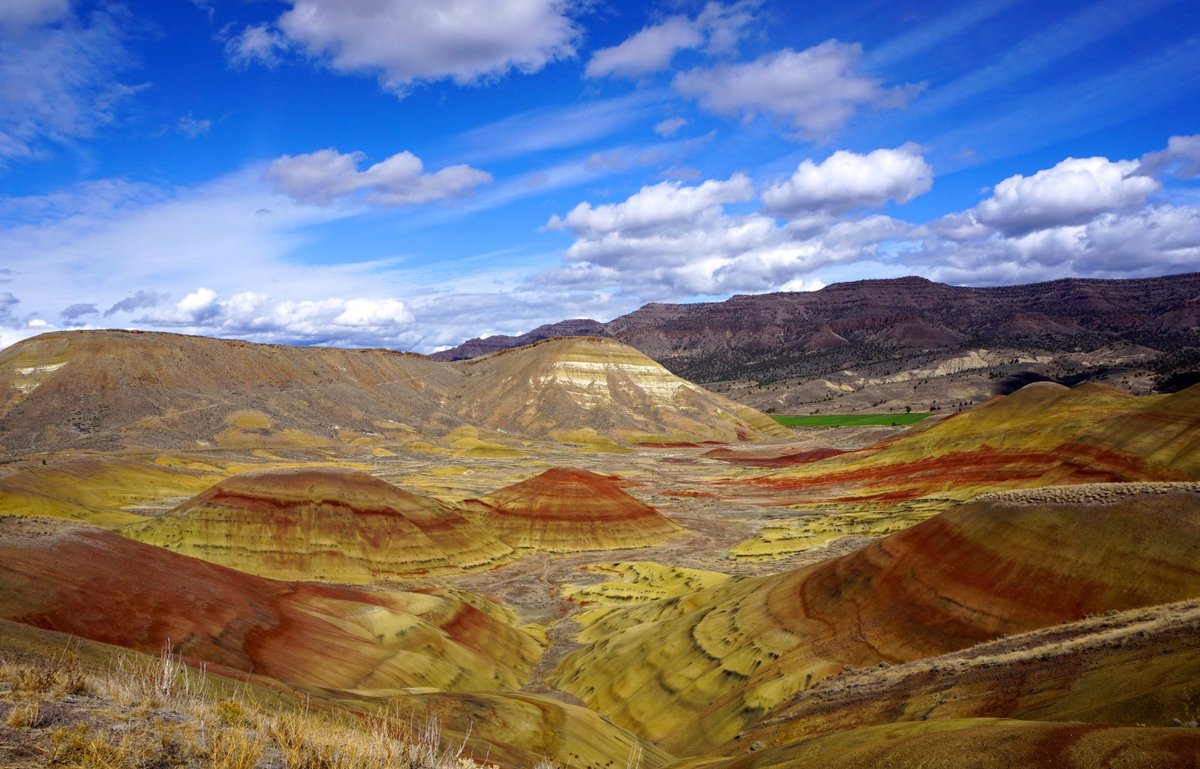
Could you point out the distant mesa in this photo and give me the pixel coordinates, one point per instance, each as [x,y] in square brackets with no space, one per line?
[882,345]
[825,339]
[478,346]
[859,324]
[566,510]
[322,524]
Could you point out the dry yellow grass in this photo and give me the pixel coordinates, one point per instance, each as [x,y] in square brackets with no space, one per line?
[141,712]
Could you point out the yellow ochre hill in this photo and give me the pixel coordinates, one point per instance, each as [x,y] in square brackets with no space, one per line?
[693,672]
[322,524]
[570,382]
[1044,434]
[116,389]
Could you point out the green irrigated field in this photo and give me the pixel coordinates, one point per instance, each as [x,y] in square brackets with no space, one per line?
[846,420]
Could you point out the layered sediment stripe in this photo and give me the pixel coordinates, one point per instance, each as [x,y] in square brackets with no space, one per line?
[566,509]
[694,671]
[104,587]
[322,524]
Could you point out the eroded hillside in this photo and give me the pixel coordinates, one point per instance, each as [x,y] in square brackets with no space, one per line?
[121,389]
[565,552]
[908,342]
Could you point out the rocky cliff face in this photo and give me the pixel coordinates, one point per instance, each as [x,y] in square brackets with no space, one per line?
[858,335]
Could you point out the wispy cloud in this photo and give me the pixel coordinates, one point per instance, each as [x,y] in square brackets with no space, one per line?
[193,127]
[1061,111]
[557,128]
[717,27]
[259,44]
[59,75]
[930,34]
[1041,51]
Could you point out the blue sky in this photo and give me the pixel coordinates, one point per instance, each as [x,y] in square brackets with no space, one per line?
[409,175]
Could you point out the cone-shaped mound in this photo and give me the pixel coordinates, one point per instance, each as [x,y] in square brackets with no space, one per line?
[695,671]
[322,524]
[588,382]
[565,509]
[101,586]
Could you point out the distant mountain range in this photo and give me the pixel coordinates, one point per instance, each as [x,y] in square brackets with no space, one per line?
[858,338]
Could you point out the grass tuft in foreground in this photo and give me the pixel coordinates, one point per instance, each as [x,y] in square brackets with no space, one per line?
[142,713]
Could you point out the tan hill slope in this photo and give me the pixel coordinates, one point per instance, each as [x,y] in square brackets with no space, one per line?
[565,384]
[565,509]
[107,389]
[979,743]
[322,524]
[113,389]
[694,671]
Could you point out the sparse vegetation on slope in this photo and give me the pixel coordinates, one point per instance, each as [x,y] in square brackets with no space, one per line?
[694,671]
[144,712]
[174,392]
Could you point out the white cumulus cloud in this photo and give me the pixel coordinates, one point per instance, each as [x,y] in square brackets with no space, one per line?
[814,91]
[847,180]
[669,241]
[255,315]
[321,177]
[667,205]
[1072,192]
[411,42]
[1090,217]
